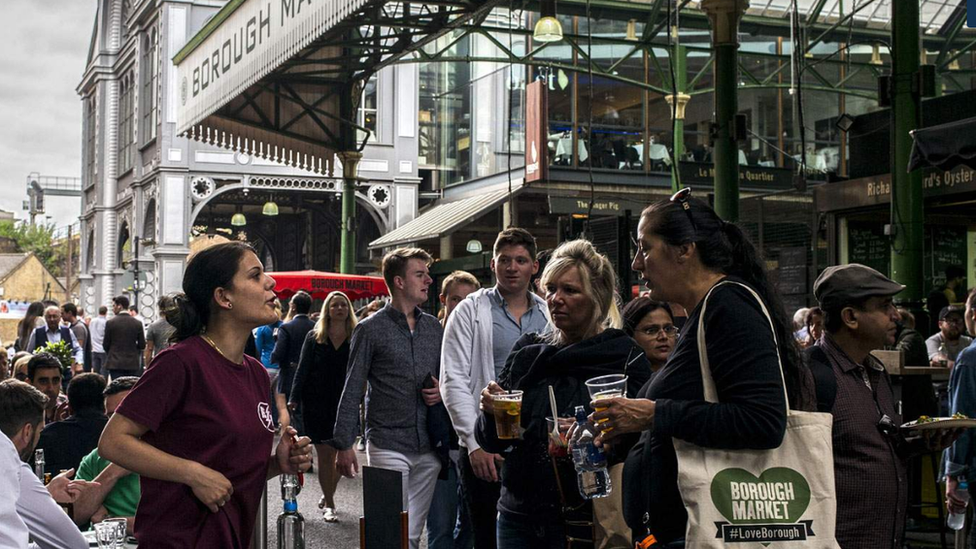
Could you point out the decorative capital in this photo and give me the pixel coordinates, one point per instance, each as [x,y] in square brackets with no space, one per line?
[724,16]
[679,111]
[350,163]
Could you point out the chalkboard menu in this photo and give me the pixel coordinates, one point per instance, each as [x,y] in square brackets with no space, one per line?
[868,245]
[944,247]
[792,272]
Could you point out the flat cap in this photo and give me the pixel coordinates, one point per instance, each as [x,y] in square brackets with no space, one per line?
[845,284]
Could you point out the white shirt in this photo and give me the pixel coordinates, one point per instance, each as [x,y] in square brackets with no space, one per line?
[97,329]
[36,513]
[53,337]
[13,531]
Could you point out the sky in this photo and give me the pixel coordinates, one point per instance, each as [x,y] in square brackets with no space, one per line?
[40,114]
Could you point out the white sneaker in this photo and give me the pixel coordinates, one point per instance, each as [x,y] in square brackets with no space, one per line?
[330,515]
[361,445]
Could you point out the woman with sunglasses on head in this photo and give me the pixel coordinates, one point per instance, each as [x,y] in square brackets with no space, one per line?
[197,426]
[540,505]
[685,253]
[651,324]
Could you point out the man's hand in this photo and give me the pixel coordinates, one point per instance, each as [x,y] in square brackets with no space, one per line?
[77,368]
[954,496]
[294,453]
[211,488]
[485,465]
[936,440]
[100,515]
[432,396]
[346,463]
[65,490]
[488,396]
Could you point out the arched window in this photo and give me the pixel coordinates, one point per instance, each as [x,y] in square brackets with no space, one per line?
[125,246]
[149,225]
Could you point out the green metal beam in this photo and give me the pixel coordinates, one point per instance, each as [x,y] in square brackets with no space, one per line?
[907,205]
[950,39]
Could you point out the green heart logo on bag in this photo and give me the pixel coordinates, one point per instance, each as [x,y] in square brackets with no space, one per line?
[761,509]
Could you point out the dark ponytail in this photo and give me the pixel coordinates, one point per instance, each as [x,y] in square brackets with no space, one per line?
[207,270]
[723,247]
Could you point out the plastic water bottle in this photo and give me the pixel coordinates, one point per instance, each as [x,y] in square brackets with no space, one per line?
[589,459]
[39,464]
[957,521]
[291,523]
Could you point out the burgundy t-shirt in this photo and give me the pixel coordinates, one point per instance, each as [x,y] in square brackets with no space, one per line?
[202,407]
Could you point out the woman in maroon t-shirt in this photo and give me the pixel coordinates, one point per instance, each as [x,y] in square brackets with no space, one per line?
[197,427]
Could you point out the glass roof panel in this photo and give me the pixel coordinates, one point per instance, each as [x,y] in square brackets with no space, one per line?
[873,13]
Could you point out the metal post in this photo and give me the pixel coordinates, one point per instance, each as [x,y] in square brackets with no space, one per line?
[259,540]
[906,188]
[724,16]
[350,163]
[679,58]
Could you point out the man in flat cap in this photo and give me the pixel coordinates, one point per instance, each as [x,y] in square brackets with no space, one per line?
[946,344]
[870,452]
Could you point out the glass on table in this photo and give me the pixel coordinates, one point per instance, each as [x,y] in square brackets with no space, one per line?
[507,409]
[107,535]
[120,526]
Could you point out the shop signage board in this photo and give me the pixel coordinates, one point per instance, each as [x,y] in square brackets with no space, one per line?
[876,190]
[754,177]
[242,43]
[562,205]
[536,123]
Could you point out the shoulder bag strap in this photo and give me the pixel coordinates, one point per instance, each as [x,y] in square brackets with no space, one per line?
[711,394]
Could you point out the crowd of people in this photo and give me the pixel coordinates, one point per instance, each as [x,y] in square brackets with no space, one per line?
[173,425]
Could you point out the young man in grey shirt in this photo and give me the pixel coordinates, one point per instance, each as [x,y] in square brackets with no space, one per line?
[396,350]
[159,332]
[477,341]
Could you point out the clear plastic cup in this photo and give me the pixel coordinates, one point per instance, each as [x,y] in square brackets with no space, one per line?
[606,387]
[507,409]
[559,447]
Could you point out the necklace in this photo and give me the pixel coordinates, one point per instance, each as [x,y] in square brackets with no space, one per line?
[214,345]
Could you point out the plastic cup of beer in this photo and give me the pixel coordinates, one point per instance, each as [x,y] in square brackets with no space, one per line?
[606,387]
[507,409]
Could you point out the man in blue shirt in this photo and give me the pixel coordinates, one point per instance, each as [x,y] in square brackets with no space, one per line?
[478,338]
[960,458]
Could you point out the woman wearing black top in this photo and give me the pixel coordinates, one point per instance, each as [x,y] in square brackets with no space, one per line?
[685,249]
[584,343]
[318,386]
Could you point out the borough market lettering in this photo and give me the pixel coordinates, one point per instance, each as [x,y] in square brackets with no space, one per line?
[242,43]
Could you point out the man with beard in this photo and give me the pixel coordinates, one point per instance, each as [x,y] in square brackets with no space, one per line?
[948,342]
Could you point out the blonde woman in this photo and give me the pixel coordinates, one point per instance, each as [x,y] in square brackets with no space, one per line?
[585,342]
[318,386]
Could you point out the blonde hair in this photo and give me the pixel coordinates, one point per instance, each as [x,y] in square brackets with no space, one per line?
[459,277]
[322,325]
[598,280]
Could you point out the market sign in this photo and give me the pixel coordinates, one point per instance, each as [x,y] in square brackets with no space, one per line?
[753,177]
[536,126]
[876,190]
[562,205]
[242,43]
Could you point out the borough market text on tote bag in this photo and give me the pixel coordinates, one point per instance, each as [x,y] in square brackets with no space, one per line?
[776,498]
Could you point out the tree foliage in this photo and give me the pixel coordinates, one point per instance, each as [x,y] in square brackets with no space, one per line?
[39,239]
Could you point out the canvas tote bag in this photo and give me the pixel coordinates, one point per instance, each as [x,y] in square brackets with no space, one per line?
[778,498]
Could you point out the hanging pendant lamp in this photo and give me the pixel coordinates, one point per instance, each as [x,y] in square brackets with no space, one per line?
[548,28]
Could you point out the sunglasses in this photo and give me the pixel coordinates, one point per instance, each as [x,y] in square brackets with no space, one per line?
[681,197]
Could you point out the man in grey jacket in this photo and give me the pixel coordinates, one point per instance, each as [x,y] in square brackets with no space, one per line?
[396,350]
[478,338]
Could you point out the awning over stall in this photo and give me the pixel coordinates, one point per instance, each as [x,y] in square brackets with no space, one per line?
[945,146]
[320,284]
[445,217]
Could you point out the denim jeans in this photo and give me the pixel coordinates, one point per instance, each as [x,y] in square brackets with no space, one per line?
[515,532]
[448,526]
